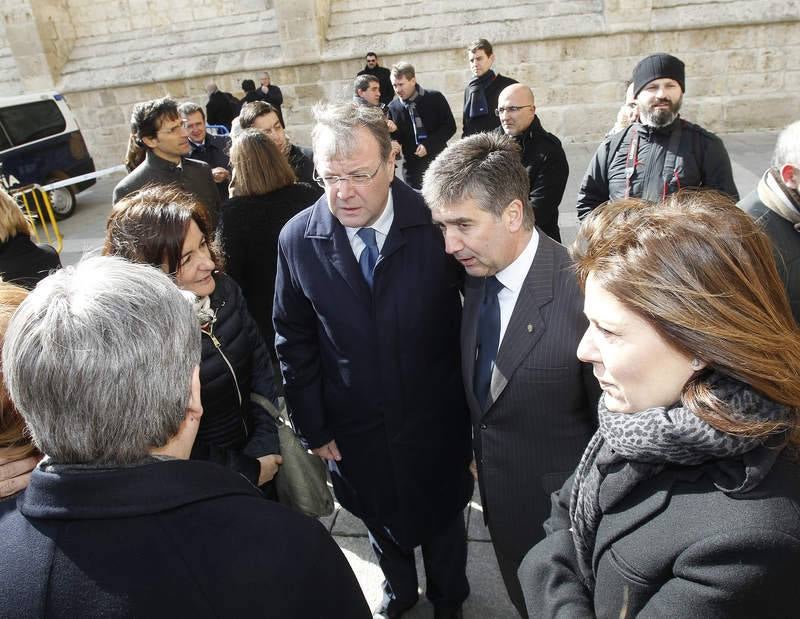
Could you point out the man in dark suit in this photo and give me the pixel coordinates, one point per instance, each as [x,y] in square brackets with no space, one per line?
[533,404]
[207,147]
[424,122]
[367,315]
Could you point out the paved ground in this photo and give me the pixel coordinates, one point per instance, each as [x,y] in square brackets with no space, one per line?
[750,155]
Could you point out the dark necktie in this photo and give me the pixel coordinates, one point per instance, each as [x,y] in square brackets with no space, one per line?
[369,256]
[488,339]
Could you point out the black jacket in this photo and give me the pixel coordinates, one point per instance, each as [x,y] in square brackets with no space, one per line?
[302,161]
[234,431]
[785,243]
[546,162]
[221,109]
[702,162]
[378,371]
[26,263]
[677,546]
[166,539]
[385,78]
[439,125]
[193,176]
[215,152]
[490,121]
[249,232]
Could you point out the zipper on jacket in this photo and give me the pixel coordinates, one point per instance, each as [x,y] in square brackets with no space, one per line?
[218,346]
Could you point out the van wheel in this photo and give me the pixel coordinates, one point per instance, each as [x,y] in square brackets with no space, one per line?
[63,202]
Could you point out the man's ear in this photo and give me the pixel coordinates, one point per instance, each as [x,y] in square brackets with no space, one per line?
[790,175]
[514,215]
[150,143]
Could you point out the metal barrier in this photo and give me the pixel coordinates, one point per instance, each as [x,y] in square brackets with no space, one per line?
[43,213]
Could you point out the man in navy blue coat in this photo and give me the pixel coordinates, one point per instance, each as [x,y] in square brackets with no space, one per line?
[367,316]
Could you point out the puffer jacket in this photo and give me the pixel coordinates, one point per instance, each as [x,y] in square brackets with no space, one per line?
[234,431]
[702,161]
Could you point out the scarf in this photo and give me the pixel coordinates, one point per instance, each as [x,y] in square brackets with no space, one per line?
[631,448]
[420,135]
[203,310]
[476,103]
[779,198]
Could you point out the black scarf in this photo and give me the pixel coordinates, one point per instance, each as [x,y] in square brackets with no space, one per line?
[631,448]
[476,104]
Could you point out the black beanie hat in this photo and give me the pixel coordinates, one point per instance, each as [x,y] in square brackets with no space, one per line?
[655,67]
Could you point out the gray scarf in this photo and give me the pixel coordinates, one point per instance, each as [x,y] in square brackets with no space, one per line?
[631,448]
[779,198]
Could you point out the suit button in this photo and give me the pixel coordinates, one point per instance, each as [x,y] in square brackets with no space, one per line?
[483,426]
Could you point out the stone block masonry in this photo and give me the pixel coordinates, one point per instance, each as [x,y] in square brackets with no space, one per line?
[576,55]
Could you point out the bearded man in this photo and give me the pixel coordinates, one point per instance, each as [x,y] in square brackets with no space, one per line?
[659,154]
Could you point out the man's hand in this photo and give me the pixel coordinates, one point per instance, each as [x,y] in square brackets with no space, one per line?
[329,451]
[269,466]
[473,468]
[421,151]
[391,125]
[15,474]
[396,148]
[220,174]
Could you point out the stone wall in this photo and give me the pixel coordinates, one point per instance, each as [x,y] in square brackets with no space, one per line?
[575,54]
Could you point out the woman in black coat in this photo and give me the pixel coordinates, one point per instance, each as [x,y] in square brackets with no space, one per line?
[168,228]
[264,197]
[22,261]
[686,503]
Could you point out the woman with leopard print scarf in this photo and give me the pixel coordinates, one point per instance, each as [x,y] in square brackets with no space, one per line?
[686,503]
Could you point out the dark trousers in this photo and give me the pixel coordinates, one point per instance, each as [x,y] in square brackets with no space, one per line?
[508,570]
[444,556]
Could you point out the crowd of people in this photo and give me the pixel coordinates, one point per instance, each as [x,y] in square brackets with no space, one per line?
[629,407]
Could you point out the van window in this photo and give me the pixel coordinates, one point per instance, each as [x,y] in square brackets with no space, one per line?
[32,121]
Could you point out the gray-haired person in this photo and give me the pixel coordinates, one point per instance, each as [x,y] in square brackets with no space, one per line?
[775,205]
[366,318]
[101,361]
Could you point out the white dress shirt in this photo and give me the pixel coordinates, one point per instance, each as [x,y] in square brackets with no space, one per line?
[512,278]
[381,226]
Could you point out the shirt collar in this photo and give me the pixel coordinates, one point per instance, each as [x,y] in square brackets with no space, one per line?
[513,276]
[383,224]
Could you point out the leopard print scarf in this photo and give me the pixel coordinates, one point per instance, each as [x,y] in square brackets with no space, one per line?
[631,448]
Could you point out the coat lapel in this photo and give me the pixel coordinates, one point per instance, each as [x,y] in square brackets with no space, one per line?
[526,326]
[473,293]
[329,234]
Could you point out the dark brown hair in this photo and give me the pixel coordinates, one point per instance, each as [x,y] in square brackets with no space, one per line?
[151,225]
[254,109]
[701,273]
[14,440]
[259,167]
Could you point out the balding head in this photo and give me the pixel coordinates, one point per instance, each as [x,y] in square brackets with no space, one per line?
[516,107]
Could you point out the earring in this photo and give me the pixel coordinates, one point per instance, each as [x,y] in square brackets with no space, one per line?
[696,364]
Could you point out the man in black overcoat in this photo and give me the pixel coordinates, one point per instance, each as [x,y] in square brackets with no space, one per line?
[367,315]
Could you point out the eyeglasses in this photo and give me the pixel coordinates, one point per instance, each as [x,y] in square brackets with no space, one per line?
[510,109]
[174,130]
[359,179]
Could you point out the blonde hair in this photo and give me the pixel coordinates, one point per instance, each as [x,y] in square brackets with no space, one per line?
[702,274]
[12,220]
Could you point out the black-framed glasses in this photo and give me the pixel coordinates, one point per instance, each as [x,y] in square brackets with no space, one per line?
[511,109]
[359,179]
